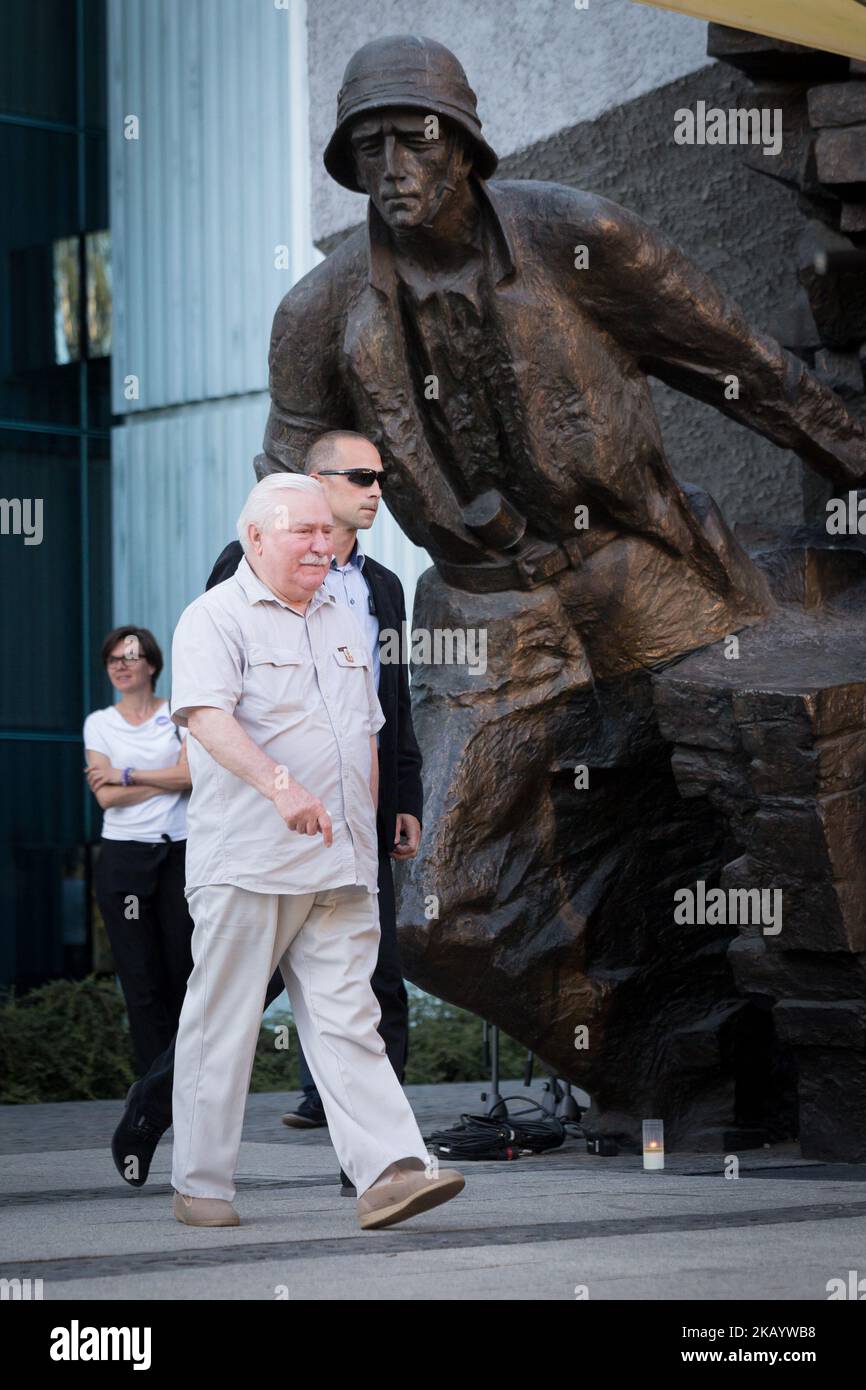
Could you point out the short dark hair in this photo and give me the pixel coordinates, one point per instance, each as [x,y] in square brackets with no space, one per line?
[324,451]
[147,645]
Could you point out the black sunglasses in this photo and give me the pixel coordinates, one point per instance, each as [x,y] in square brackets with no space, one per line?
[361,477]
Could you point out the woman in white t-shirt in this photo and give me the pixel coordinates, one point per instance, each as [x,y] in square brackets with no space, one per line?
[137,770]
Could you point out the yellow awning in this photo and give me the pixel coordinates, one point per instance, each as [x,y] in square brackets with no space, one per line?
[839,26]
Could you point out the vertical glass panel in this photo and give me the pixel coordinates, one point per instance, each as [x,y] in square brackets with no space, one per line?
[95,75]
[38,224]
[67,300]
[55,560]
[99,690]
[98,260]
[42,890]
[38,58]
[40,581]
[75,910]
[99,393]
[95,183]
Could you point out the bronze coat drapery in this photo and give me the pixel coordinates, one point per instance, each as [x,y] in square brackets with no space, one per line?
[581,343]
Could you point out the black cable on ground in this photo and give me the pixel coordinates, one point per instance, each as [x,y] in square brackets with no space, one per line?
[486,1138]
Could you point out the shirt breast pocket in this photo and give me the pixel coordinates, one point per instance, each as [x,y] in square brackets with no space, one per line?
[276,679]
[350,658]
[350,686]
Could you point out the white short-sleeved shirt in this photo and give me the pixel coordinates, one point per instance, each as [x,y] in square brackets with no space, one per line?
[154,744]
[301,686]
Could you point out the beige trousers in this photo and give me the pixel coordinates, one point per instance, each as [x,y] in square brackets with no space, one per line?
[326,946]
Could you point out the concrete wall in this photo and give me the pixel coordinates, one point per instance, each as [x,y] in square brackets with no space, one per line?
[536,66]
[737,225]
[586,97]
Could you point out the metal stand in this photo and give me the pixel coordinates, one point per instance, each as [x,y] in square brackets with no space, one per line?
[496,1107]
[558,1100]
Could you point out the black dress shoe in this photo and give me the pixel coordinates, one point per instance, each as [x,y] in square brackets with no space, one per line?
[307,1116]
[134,1142]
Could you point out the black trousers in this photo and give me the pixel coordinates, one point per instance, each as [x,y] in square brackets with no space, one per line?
[140,891]
[154,1092]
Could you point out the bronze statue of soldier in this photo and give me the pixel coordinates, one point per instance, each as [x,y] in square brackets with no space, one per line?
[494,341]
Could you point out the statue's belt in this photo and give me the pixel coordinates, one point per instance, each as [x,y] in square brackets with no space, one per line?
[536,564]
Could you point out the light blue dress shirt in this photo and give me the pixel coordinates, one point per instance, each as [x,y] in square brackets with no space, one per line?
[348,585]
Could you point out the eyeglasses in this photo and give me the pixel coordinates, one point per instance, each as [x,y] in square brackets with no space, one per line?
[123,660]
[361,477]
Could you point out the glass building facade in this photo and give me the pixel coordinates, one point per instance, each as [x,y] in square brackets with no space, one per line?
[55,475]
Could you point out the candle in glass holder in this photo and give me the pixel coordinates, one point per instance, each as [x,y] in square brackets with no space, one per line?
[653,1144]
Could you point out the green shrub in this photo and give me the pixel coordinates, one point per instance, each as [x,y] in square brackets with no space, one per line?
[67,1040]
[444,1045]
[276,1068]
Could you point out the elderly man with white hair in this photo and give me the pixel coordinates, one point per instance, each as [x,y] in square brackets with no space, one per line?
[272,678]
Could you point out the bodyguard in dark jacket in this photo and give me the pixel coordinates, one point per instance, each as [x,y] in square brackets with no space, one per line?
[350,470]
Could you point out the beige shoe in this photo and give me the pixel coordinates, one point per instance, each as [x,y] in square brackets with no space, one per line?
[384,1204]
[204,1211]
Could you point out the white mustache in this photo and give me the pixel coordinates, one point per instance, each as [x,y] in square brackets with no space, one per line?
[314,560]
